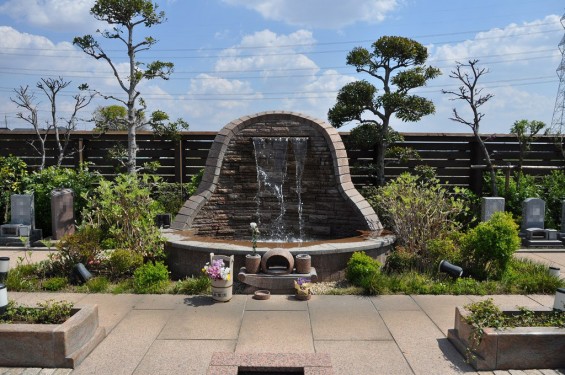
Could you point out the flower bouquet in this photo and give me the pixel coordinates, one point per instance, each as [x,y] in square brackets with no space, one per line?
[303,290]
[217,270]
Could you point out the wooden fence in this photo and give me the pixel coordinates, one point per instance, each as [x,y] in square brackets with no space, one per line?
[456,157]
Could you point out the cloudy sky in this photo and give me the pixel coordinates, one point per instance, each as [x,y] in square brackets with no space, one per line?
[238,57]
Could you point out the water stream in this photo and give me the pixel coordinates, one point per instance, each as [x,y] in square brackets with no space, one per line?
[271,163]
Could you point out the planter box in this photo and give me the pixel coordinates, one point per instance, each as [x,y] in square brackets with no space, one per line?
[51,345]
[511,348]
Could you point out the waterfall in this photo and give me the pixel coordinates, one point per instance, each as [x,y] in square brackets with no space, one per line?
[271,164]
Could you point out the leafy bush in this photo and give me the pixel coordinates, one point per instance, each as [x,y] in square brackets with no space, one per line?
[520,187]
[12,172]
[81,247]
[54,284]
[150,278]
[24,277]
[417,210]
[440,249]
[122,263]
[487,248]
[125,212]
[192,286]
[362,270]
[42,183]
[97,284]
[553,187]
[525,277]
[400,261]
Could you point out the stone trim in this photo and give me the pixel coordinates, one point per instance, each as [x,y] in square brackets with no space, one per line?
[215,159]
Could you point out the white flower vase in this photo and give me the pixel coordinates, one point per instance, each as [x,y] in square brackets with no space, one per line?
[222,289]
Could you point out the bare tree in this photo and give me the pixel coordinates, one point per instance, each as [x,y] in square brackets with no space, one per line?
[60,127]
[468,75]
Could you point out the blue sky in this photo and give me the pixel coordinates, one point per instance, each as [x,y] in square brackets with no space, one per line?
[238,57]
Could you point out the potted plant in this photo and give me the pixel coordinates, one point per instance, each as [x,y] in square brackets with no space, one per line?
[302,289]
[253,260]
[220,276]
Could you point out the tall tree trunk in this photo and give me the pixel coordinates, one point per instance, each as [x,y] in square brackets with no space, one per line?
[488,161]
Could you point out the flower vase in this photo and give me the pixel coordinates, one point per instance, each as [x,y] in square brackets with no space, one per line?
[303,263]
[252,263]
[302,296]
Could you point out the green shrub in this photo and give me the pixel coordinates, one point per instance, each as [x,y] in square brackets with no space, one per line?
[150,278]
[417,210]
[42,183]
[553,186]
[24,277]
[81,247]
[192,286]
[54,284]
[125,212]
[13,170]
[98,284]
[524,276]
[122,263]
[487,248]
[362,269]
[400,260]
[440,249]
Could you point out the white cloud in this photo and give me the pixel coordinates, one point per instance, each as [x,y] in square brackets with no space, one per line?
[51,14]
[520,60]
[328,14]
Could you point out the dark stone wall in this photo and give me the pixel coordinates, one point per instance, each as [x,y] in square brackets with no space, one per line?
[233,204]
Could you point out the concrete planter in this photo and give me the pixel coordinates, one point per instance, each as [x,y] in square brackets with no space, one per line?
[511,348]
[51,345]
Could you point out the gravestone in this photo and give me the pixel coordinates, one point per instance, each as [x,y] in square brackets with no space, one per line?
[532,230]
[533,214]
[23,209]
[62,213]
[490,205]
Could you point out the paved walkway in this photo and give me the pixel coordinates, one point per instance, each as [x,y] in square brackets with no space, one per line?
[176,334]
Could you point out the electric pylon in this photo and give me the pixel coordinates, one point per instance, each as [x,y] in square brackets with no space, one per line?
[558,120]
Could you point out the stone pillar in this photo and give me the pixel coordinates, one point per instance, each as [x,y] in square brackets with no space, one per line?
[490,205]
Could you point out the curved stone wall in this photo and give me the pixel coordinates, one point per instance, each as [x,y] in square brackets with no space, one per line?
[225,202]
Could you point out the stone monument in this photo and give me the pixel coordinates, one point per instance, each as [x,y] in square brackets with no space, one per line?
[533,229]
[490,205]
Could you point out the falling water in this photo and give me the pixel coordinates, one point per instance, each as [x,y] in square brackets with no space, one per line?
[271,164]
[300,146]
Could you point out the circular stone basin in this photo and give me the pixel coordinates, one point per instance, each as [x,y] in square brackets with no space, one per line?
[187,253]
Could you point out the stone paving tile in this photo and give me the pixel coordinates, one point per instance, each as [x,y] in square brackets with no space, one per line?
[219,321]
[192,357]
[275,332]
[394,302]
[276,303]
[346,318]
[423,344]
[123,349]
[441,309]
[111,308]
[159,302]
[364,357]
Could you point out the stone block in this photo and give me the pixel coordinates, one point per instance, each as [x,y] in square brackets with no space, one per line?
[490,205]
